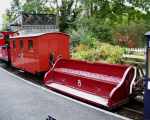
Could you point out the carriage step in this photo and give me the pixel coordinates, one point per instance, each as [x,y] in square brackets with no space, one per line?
[80,94]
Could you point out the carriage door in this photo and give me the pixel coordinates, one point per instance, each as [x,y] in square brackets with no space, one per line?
[21,52]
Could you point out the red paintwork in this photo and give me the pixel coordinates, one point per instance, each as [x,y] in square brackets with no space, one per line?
[4,53]
[2,42]
[36,60]
[108,81]
[4,47]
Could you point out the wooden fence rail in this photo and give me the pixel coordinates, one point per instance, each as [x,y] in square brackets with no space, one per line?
[139,50]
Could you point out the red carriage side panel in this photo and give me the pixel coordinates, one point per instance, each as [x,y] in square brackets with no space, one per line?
[4,46]
[22,56]
[4,53]
[54,45]
[32,53]
[2,42]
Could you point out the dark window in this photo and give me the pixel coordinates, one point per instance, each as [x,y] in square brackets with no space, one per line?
[21,43]
[14,43]
[30,44]
[6,38]
[52,58]
[1,36]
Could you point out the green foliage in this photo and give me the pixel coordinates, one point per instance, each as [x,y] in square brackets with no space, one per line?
[111,54]
[97,16]
[90,30]
[90,21]
[36,7]
[100,30]
[99,52]
[6,19]
[27,6]
[82,36]
[105,19]
[133,32]
[67,10]
[136,31]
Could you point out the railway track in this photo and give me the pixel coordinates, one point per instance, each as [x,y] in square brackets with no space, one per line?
[133,109]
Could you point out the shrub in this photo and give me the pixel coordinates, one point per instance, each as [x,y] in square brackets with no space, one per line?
[131,35]
[82,36]
[102,32]
[99,52]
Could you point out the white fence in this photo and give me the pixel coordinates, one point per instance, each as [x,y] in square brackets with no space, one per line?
[138,50]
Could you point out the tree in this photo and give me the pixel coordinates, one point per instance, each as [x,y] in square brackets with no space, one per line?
[36,7]
[26,6]
[102,18]
[6,19]
[67,10]
[14,10]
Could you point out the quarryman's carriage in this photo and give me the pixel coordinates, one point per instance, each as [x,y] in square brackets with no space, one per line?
[101,84]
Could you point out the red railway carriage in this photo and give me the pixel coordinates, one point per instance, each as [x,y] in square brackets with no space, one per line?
[36,53]
[4,46]
[102,84]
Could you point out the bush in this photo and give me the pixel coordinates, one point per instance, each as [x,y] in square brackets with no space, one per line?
[131,35]
[100,52]
[82,36]
[100,31]
[90,30]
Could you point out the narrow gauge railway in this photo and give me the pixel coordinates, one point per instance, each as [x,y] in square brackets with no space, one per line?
[46,50]
[133,109]
[107,85]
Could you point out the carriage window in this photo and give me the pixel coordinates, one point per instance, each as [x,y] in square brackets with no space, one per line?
[6,37]
[21,43]
[30,44]
[14,44]
[1,36]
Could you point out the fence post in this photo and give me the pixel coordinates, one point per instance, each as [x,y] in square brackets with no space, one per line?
[148,55]
[147,80]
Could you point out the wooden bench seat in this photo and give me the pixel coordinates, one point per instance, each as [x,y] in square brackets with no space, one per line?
[100,83]
[86,74]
